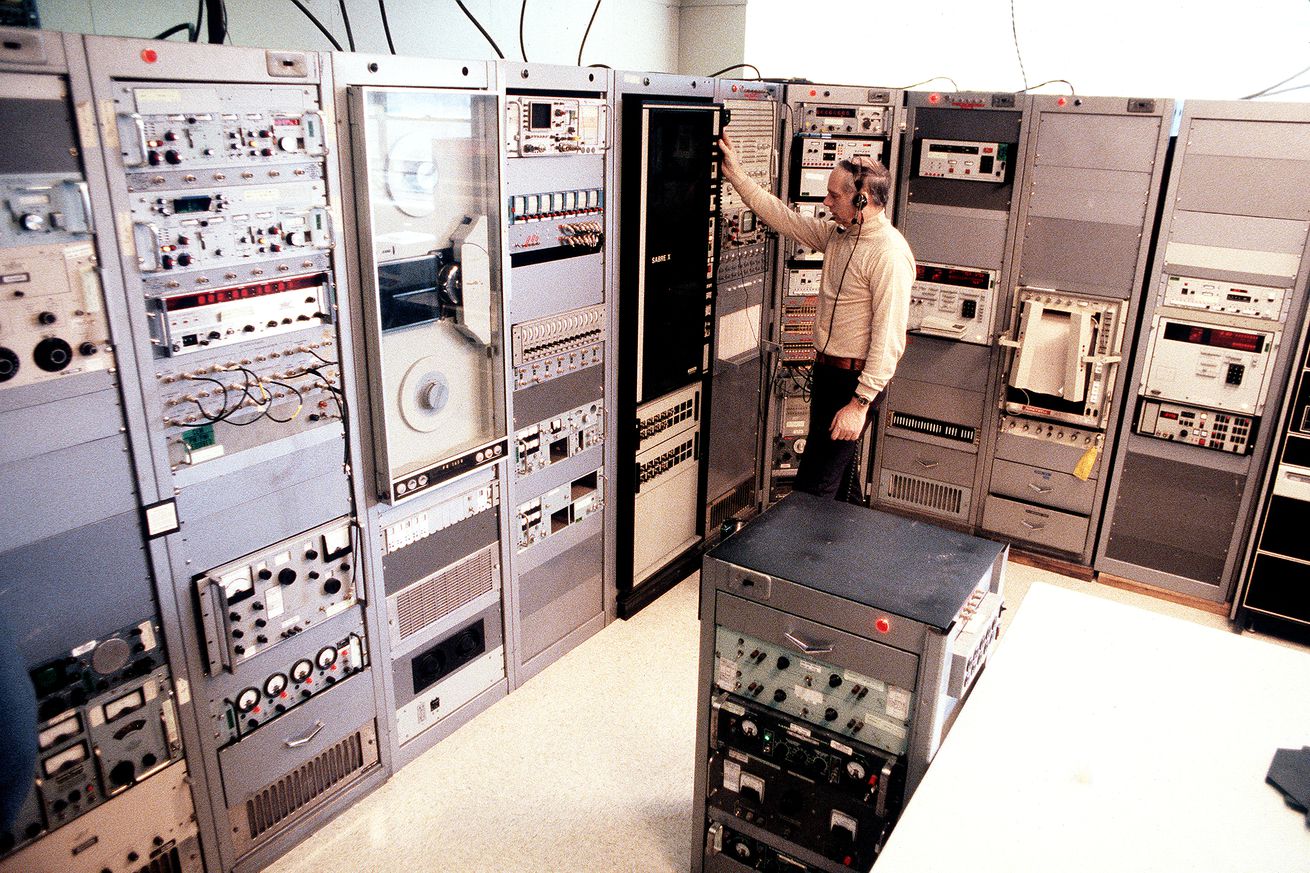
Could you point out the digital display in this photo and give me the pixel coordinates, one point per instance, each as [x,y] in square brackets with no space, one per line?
[1244,298]
[539,116]
[1238,341]
[952,149]
[186,205]
[940,275]
[834,112]
[241,292]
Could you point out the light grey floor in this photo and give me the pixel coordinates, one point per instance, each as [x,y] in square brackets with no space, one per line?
[586,768]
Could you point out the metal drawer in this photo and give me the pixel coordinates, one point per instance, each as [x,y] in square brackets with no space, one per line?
[1046,527]
[1039,485]
[929,461]
[303,733]
[841,649]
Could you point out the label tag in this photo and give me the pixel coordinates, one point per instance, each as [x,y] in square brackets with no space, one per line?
[732,776]
[898,703]
[725,674]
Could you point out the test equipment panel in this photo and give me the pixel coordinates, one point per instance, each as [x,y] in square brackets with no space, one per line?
[1216,348]
[559,127]
[427,265]
[228,201]
[1079,260]
[1274,596]
[823,126]
[826,682]
[745,274]
[110,781]
[959,195]
[668,152]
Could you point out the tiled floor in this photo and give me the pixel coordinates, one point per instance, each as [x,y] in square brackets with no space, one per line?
[588,767]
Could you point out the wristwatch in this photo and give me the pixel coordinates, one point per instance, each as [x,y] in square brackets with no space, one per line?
[863,401]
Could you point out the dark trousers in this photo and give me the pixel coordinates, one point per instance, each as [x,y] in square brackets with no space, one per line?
[828,467]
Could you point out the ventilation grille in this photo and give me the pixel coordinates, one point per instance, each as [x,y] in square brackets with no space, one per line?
[420,605]
[933,427]
[166,861]
[739,498]
[926,494]
[302,786]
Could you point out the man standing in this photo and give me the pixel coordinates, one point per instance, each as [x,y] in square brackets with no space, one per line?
[864,304]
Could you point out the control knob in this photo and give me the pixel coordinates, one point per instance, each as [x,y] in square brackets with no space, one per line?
[47,318]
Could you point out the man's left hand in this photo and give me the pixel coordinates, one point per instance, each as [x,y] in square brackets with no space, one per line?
[849,421]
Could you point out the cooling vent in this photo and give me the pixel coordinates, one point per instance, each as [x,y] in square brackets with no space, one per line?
[420,605]
[933,427]
[739,498]
[167,861]
[925,494]
[304,785]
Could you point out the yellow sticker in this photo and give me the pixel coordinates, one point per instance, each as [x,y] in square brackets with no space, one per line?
[1083,469]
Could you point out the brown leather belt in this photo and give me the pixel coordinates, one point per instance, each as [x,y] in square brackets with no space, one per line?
[840,363]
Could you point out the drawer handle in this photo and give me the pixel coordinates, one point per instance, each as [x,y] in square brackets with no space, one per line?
[928,465]
[1039,489]
[808,648]
[304,740]
[1297,477]
[1030,525]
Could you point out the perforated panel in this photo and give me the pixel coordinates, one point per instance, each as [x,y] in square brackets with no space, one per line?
[305,786]
[925,494]
[428,602]
[1193,541]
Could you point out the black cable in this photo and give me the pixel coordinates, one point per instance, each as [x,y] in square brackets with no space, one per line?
[1072,90]
[321,358]
[314,21]
[300,399]
[204,413]
[460,3]
[523,13]
[200,17]
[1014,28]
[588,32]
[1270,90]
[758,75]
[345,18]
[178,28]
[217,21]
[386,25]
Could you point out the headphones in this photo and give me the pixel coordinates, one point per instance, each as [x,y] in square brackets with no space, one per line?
[859,173]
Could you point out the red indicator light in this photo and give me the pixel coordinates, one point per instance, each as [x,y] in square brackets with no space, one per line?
[149,55]
[1061,101]
[734,89]
[934,98]
[283,695]
[256,710]
[882,625]
[814,93]
[309,680]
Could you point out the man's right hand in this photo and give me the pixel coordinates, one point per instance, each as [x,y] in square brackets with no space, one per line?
[731,166]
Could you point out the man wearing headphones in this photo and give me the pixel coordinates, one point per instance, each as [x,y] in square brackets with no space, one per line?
[864,304]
